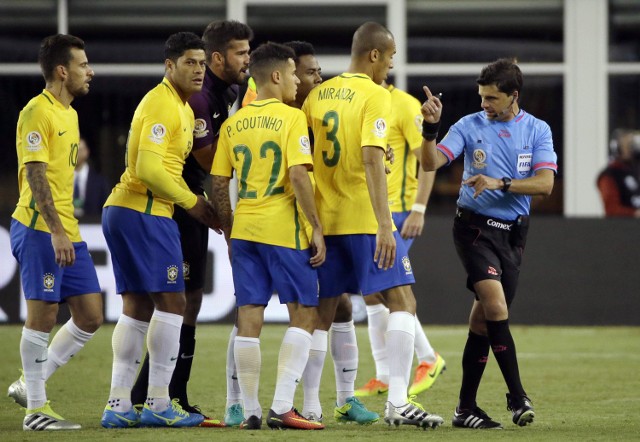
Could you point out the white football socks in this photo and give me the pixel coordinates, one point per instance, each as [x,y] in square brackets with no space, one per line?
[234,395]
[127,343]
[377,320]
[294,353]
[248,365]
[33,351]
[312,374]
[424,350]
[68,341]
[163,344]
[400,337]
[344,351]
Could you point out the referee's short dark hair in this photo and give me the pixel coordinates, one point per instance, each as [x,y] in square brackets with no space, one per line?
[504,73]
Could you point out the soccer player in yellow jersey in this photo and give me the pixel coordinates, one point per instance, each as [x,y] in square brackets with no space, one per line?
[55,265]
[267,144]
[409,191]
[349,117]
[145,244]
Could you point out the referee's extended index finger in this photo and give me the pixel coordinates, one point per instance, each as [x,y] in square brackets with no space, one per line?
[427,92]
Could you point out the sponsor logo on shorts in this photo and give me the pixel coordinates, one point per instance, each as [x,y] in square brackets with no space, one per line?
[406,263]
[499,225]
[48,280]
[492,271]
[172,274]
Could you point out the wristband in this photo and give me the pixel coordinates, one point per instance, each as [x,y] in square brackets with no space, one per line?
[430,130]
[506,184]
[420,208]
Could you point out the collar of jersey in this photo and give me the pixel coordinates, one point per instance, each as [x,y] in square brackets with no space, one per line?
[52,99]
[168,84]
[352,75]
[260,103]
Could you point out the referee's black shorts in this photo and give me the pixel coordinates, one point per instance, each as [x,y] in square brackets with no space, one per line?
[194,239]
[489,249]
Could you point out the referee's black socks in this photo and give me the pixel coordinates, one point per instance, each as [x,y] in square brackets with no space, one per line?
[474,361]
[504,350]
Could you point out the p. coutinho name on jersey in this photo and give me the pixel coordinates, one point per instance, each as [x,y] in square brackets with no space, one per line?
[342,93]
[256,122]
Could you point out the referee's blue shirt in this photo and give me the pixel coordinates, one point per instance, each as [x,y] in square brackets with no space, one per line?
[515,149]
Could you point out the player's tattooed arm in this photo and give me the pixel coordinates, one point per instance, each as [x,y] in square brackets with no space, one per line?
[41,190]
[222,203]
[62,246]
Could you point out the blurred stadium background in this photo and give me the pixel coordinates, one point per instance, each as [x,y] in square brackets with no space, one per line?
[580,58]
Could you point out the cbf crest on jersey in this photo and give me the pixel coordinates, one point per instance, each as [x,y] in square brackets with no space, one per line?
[380,128]
[479,159]
[158,131]
[172,274]
[48,281]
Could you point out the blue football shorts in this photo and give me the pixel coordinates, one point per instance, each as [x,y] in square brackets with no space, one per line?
[262,269]
[145,251]
[42,278]
[350,268]
[398,219]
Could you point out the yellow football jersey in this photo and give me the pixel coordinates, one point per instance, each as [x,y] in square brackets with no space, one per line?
[261,142]
[346,113]
[405,135]
[48,133]
[162,124]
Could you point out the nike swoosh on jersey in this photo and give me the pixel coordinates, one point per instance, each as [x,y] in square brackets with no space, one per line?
[61,133]
[215,115]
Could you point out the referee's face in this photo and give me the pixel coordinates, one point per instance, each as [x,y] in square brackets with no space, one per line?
[496,105]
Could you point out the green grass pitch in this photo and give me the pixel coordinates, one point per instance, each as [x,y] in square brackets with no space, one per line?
[584,383]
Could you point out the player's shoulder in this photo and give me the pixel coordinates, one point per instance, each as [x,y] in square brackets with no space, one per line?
[532,120]
[404,98]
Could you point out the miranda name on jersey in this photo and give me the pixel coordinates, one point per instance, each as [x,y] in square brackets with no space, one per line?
[342,93]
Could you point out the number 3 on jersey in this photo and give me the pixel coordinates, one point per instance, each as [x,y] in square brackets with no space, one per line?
[331,117]
[247,158]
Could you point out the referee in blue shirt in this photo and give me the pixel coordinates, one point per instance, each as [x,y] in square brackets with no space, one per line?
[508,158]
